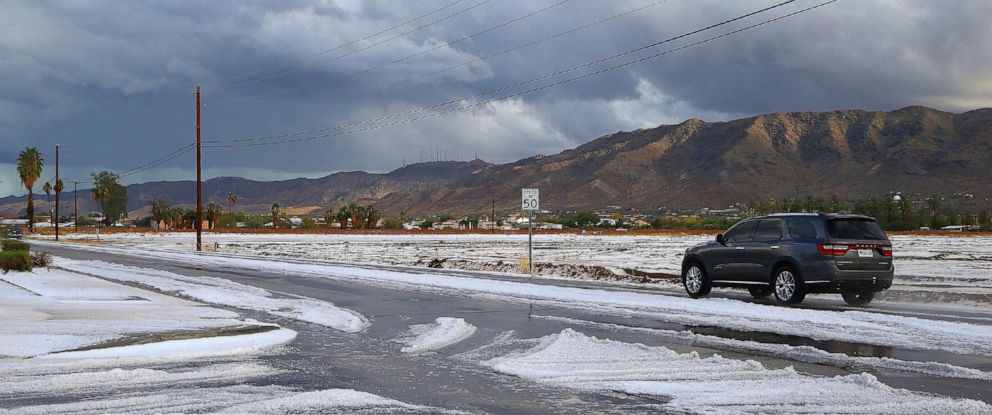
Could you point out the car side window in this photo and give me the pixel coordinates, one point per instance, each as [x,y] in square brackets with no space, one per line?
[768,230]
[801,228]
[741,232]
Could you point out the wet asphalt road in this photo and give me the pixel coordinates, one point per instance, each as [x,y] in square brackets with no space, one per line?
[371,361]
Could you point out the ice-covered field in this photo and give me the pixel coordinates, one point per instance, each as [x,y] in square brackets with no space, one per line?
[935,268]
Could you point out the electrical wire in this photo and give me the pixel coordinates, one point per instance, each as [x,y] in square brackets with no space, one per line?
[506,87]
[535,89]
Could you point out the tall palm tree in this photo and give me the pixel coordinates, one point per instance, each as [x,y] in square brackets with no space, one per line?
[47,188]
[29,168]
[232,199]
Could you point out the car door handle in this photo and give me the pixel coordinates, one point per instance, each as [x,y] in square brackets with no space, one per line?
[774,247]
[739,247]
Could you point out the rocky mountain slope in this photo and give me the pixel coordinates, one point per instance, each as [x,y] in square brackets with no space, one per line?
[849,153]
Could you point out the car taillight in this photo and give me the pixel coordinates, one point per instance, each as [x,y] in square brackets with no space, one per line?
[833,249]
[886,251]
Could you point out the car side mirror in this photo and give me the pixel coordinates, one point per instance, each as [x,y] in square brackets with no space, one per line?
[720,240]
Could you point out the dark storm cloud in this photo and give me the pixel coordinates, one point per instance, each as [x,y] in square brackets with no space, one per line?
[111,81]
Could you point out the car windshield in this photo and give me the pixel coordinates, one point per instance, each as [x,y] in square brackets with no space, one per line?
[864,229]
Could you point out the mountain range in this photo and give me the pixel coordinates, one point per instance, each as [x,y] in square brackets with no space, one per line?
[693,164]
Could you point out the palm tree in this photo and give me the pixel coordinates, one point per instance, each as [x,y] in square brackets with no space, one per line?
[275,215]
[161,212]
[232,199]
[372,217]
[213,213]
[29,168]
[343,215]
[358,215]
[47,188]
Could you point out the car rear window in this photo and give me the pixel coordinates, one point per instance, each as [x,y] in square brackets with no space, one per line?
[855,229]
[802,228]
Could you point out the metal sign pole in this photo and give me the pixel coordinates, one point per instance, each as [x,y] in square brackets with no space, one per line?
[530,202]
[530,241]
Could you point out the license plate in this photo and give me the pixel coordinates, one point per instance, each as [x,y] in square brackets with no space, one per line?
[865,253]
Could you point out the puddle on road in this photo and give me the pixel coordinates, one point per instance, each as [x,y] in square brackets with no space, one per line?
[833,346]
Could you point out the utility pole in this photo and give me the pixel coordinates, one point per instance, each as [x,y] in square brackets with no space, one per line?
[75,205]
[199,178]
[58,189]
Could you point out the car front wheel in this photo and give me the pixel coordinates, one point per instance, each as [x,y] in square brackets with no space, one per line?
[695,282]
[858,299]
[788,288]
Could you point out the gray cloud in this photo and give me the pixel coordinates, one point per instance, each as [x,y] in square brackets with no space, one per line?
[111,81]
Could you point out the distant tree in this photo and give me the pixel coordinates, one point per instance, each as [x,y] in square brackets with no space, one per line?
[213,212]
[161,212]
[47,188]
[358,215]
[329,217]
[835,204]
[308,223]
[392,223]
[111,196]
[343,216]
[29,168]
[189,218]
[275,215]
[427,224]
[232,199]
[371,217]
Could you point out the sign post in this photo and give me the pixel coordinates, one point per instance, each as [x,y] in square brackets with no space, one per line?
[530,202]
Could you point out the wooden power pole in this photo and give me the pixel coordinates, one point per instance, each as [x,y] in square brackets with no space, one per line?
[75,205]
[58,191]
[199,179]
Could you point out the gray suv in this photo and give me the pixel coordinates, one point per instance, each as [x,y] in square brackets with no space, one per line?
[791,255]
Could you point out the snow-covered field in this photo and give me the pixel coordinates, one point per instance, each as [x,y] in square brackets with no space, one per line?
[849,326]
[931,268]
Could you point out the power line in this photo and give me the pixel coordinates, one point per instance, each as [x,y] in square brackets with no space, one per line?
[535,89]
[505,87]
[352,52]
[403,59]
[544,39]
[344,45]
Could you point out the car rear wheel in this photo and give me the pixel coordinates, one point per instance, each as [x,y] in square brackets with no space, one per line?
[858,298]
[695,282]
[788,287]
[760,292]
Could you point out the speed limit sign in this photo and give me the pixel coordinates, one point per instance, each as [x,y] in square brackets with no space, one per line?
[531,200]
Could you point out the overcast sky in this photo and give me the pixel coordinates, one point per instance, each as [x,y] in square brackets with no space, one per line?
[112,81]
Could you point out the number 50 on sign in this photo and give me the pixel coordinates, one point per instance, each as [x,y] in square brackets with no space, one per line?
[531,200]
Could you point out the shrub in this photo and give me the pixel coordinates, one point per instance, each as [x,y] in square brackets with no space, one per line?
[15,261]
[10,245]
[41,259]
